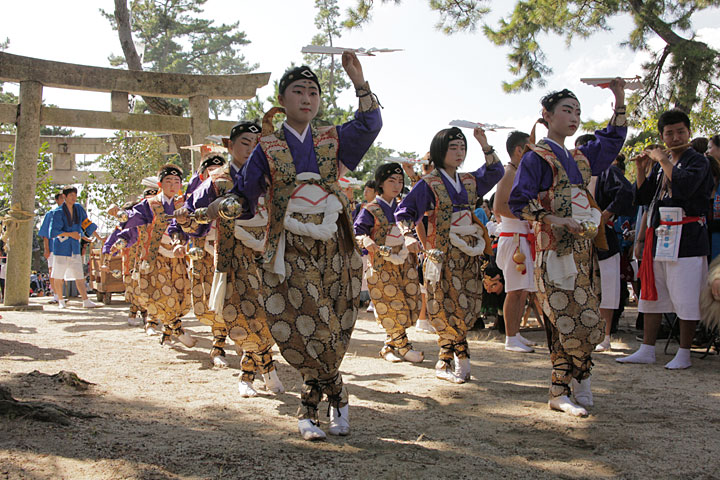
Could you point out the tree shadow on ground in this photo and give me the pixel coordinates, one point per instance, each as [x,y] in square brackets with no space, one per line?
[138,439]
[9,351]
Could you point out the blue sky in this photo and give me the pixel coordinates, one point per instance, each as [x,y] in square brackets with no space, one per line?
[436,79]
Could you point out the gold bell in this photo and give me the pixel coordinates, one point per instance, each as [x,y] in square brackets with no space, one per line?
[384,251]
[519,258]
[196,253]
[200,215]
[123,216]
[589,229]
[230,208]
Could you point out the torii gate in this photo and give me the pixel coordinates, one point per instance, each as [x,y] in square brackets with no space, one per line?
[29,114]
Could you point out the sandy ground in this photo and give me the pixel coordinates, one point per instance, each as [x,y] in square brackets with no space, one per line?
[165,413]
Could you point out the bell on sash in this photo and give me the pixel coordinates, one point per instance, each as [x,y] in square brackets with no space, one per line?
[384,251]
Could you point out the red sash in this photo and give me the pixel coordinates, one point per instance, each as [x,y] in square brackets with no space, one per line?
[647,273]
[530,238]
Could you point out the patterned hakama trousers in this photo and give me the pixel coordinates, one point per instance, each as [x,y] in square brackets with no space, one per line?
[575,327]
[312,313]
[243,313]
[164,291]
[395,293]
[453,303]
[201,278]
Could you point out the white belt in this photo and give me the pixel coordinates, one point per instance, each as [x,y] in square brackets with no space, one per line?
[463,225]
[247,238]
[165,251]
[315,200]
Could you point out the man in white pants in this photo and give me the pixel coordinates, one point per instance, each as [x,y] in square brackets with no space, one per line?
[514,252]
[68,225]
[679,185]
[44,233]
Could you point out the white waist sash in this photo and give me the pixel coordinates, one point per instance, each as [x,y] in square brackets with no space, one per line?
[514,225]
[562,270]
[462,224]
[307,199]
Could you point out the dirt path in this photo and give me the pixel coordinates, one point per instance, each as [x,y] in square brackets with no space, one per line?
[164,413]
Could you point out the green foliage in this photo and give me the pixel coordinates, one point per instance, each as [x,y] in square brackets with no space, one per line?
[44,189]
[177,40]
[133,156]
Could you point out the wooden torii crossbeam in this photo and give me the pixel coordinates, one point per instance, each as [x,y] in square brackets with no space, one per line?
[28,115]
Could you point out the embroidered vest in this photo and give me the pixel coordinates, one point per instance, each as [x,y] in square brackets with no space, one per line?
[283,176]
[380,229]
[558,201]
[439,220]
[155,230]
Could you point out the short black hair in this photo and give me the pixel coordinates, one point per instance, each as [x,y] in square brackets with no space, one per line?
[584,139]
[69,189]
[371,184]
[671,117]
[516,139]
[57,195]
[440,142]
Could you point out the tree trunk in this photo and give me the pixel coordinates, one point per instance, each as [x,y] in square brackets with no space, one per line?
[157,105]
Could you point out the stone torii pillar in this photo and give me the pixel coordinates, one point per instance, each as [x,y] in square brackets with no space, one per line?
[27,144]
[199,125]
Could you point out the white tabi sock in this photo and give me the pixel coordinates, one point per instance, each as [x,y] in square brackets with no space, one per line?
[515,344]
[604,346]
[339,421]
[681,360]
[246,389]
[644,354]
[309,430]
[582,393]
[524,340]
[564,404]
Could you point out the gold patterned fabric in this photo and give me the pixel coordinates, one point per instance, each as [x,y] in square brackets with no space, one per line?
[557,201]
[575,327]
[313,312]
[394,289]
[283,182]
[454,302]
[243,313]
[201,278]
[438,231]
[164,290]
